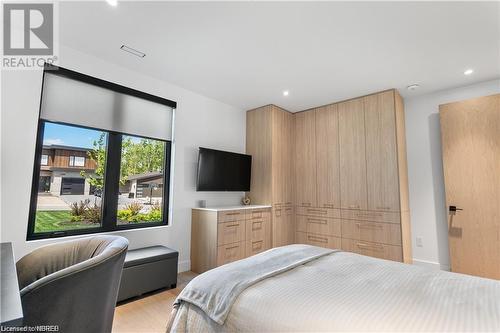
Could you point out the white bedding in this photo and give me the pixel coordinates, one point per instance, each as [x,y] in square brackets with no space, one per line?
[349,292]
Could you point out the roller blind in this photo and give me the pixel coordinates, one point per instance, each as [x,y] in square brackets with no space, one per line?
[72,101]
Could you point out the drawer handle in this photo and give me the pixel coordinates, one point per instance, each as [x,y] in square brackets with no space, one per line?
[317,239]
[258,227]
[233,213]
[317,221]
[232,225]
[288,209]
[328,205]
[384,208]
[370,247]
[256,215]
[369,226]
[277,212]
[354,206]
[257,245]
[318,211]
[288,203]
[369,214]
[232,247]
[306,204]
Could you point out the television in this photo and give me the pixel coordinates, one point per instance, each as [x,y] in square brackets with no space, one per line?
[223,171]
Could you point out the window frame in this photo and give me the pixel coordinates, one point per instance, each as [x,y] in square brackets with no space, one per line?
[109,206]
[47,160]
[73,157]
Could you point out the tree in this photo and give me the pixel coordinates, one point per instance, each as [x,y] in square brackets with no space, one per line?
[145,155]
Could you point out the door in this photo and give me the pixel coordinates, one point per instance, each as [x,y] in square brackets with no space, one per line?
[327,156]
[72,186]
[381,152]
[470,133]
[305,159]
[352,154]
[44,184]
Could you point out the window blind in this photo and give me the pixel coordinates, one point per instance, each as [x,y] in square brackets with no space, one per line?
[73,101]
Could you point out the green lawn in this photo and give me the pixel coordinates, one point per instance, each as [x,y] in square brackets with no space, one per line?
[57,220]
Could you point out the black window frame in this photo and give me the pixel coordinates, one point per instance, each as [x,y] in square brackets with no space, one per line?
[109,203]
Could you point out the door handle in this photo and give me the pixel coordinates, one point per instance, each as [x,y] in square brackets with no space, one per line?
[454,209]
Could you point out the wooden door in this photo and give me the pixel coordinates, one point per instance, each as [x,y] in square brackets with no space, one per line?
[305,159]
[470,133]
[352,154]
[288,158]
[327,157]
[278,161]
[381,152]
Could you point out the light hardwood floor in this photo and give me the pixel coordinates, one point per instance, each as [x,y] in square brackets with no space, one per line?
[149,313]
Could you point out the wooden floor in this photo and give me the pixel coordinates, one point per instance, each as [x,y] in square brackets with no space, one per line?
[149,313]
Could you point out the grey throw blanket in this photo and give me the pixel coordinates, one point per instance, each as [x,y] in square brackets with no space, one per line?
[215,291]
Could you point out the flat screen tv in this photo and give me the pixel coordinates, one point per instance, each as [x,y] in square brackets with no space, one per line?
[223,171]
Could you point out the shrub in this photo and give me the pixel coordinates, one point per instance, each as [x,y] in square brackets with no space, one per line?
[78,208]
[134,207]
[76,218]
[92,214]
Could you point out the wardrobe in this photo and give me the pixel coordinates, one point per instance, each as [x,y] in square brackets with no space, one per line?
[270,132]
[339,171]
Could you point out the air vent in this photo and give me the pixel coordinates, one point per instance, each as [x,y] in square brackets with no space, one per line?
[133,51]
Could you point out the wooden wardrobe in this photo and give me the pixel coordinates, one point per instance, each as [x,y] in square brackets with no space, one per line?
[270,142]
[349,169]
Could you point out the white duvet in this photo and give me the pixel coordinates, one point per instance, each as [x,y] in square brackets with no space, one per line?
[348,292]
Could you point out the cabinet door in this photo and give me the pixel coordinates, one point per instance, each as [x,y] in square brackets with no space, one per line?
[327,157]
[288,156]
[381,152]
[278,162]
[352,154]
[305,159]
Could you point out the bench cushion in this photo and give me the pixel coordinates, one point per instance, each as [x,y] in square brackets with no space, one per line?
[148,254]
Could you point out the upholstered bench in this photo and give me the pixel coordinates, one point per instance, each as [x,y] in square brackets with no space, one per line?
[148,269]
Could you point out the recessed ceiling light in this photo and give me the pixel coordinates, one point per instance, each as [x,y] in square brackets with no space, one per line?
[112,2]
[412,87]
[286,93]
[133,51]
[469,71]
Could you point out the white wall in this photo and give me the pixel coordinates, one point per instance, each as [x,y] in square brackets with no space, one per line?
[200,121]
[425,170]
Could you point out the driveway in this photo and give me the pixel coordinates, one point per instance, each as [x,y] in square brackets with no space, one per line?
[49,202]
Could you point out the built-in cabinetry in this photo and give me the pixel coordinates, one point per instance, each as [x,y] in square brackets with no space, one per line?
[354,180]
[270,142]
[225,234]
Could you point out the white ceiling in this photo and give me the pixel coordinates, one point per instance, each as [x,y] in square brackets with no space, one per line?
[247,53]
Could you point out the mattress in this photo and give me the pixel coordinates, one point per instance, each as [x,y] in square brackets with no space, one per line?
[344,291]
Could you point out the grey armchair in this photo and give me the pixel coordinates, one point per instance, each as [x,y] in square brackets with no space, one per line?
[73,284]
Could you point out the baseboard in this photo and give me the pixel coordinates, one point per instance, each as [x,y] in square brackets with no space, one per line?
[184,266]
[430,264]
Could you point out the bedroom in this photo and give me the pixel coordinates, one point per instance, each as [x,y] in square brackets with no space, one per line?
[373,128]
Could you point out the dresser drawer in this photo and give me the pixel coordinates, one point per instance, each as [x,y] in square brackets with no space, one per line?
[318,240]
[230,252]
[258,214]
[318,225]
[231,215]
[323,212]
[230,232]
[282,210]
[256,246]
[377,250]
[368,215]
[387,233]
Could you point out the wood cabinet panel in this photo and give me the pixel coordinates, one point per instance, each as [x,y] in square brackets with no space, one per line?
[230,252]
[230,232]
[368,215]
[352,154]
[381,152]
[318,240]
[323,212]
[305,159]
[377,250]
[386,233]
[328,156]
[283,225]
[231,215]
[318,225]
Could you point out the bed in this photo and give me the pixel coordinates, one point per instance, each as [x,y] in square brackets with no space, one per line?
[306,288]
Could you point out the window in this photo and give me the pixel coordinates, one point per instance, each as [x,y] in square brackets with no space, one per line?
[77,161]
[115,176]
[44,160]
